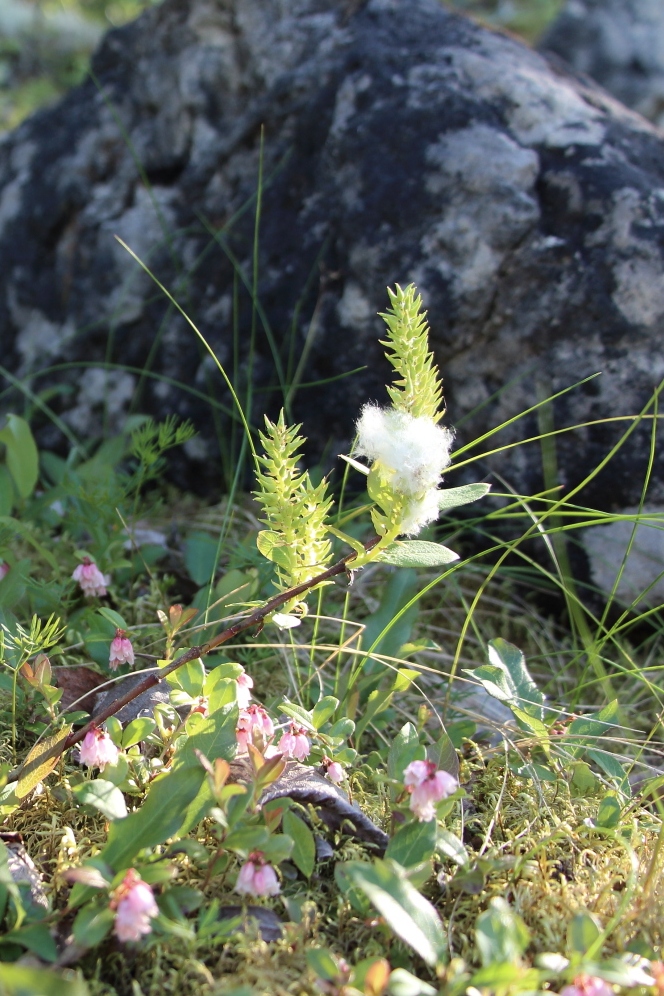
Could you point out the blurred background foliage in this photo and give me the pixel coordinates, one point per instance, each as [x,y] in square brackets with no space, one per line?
[45,45]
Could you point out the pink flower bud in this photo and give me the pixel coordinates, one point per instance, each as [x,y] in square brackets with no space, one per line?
[202,706]
[97,750]
[257,878]
[333,770]
[253,722]
[122,651]
[135,905]
[294,743]
[90,578]
[587,985]
[4,569]
[244,684]
[427,786]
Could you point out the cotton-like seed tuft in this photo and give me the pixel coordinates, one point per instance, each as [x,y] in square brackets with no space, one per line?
[413,450]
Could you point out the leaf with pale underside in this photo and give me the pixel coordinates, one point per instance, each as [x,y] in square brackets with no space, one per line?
[417,553]
[35,771]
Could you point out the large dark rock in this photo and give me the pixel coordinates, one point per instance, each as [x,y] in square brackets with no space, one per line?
[400,142]
[620,43]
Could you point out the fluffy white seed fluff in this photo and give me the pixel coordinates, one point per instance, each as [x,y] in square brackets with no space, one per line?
[420,512]
[415,450]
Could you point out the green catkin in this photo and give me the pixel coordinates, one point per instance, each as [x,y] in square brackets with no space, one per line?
[294,509]
[417,389]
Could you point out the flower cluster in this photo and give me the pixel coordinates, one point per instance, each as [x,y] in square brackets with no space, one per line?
[587,985]
[97,750]
[410,452]
[122,651]
[427,786]
[135,906]
[253,724]
[257,877]
[90,578]
[295,743]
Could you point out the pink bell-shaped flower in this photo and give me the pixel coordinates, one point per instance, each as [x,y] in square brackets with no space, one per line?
[587,985]
[97,750]
[427,786]
[122,651]
[333,770]
[135,906]
[294,743]
[90,578]
[244,684]
[257,877]
[253,722]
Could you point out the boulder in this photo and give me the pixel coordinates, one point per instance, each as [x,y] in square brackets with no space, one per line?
[391,141]
[620,43]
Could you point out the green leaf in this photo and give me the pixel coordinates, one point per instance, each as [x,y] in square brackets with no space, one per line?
[278,848]
[323,710]
[582,932]
[410,916]
[18,980]
[114,729]
[526,693]
[36,937]
[200,556]
[500,935]
[404,748]
[402,983]
[322,963]
[583,780]
[444,756]
[535,726]
[115,619]
[159,818]
[137,730]
[272,546]
[22,455]
[450,846]
[7,492]
[300,715]
[303,854]
[506,678]
[417,553]
[92,924]
[190,677]
[454,497]
[612,767]
[215,737]
[608,814]
[585,729]
[104,796]
[413,844]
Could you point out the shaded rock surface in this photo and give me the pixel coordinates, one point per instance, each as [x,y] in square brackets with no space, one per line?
[627,557]
[620,43]
[143,705]
[305,786]
[400,142]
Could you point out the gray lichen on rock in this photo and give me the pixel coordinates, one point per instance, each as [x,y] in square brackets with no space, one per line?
[400,143]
